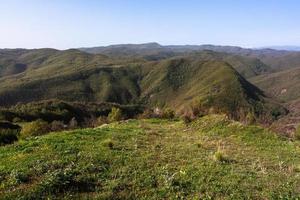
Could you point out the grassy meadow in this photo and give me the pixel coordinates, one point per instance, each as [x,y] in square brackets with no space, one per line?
[210,158]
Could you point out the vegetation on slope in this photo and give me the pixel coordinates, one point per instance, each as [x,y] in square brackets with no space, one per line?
[213,158]
[196,78]
[213,85]
[277,60]
[284,85]
[54,110]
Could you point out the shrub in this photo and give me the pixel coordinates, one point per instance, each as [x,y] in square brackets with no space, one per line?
[115,115]
[297,132]
[148,113]
[57,125]
[198,110]
[8,136]
[187,118]
[94,121]
[73,123]
[168,114]
[34,128]
[101,120]
[250,118]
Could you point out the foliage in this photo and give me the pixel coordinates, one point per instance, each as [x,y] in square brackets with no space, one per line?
[34,128]
[250,118]
[297,132]
[63,112]
[147,114]
[57,126]
[187,118]
[101,120]
[115,115]
[73,75]
[167,113]
[8,136]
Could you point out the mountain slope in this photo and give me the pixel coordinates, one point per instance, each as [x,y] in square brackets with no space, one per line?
[180,81]
[284,85]
[68,75]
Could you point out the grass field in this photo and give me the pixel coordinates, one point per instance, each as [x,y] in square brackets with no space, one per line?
[211,158]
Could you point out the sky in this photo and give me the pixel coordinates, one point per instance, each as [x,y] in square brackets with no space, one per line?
[66,24]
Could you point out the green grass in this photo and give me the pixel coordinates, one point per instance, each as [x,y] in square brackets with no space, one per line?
[153,159]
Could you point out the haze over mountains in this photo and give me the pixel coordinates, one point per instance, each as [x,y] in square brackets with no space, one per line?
[286,48]
[151,74]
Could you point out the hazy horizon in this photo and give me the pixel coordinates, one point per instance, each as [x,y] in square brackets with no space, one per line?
[77,23]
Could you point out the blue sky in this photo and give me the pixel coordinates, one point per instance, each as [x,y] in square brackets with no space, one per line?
[82,23]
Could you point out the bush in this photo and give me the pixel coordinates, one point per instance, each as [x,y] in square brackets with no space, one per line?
[34,128]
[187,118]
[168,114]
[115,115]
[101,120]
[57,125]
[73,123]
[148,113]
[250,118]
[297,132]
[8,136]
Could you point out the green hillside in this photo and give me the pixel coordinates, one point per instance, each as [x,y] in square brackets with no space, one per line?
[285,84]
[212,158]
[68,75]
[179,81]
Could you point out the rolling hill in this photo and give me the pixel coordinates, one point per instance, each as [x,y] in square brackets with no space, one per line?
[284,85]
[178,82]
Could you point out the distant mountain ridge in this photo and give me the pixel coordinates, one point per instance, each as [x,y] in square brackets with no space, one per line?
[284,48]
[276,59]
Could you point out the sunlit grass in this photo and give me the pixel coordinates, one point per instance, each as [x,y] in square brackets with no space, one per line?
[152,159]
